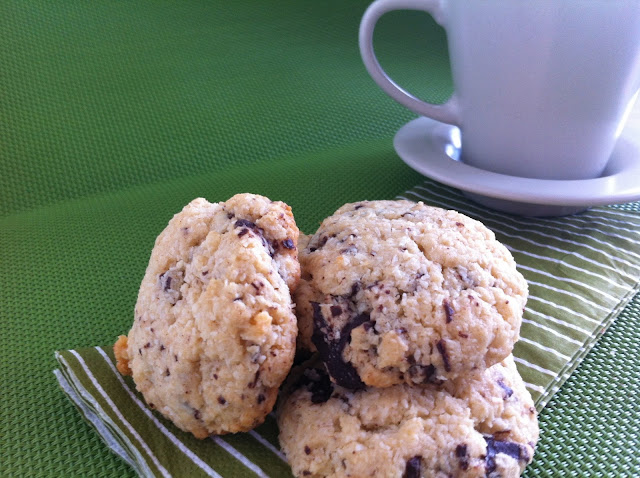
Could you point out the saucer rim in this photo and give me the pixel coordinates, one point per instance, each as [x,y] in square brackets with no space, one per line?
[436,164]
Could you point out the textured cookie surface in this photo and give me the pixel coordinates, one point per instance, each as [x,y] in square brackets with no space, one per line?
[396,291]
[482,425]
[214,329]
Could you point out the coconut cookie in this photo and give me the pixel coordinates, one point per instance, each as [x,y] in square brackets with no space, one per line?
[396,291]
[214,331]
[481,425]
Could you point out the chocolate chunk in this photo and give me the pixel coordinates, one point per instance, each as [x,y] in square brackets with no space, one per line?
[511,449]
[318,383]
[336,310]
[330,348]
[507,390]
[288,244]
[442,348]
[448,310]
[412,470]
[462,456]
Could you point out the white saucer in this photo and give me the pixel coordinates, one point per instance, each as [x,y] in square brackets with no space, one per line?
[433,149]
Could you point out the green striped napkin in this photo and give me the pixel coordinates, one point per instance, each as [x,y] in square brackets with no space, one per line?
[582,271]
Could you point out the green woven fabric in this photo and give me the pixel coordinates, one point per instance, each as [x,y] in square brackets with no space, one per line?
[114,114]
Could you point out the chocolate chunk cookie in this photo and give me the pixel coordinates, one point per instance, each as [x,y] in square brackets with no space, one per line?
[396,291]
[214,330]
[481,425]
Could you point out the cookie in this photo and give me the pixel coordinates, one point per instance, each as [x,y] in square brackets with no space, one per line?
[400,292]
[481,425]
[214,330]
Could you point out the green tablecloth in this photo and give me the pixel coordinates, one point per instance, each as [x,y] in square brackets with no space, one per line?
[114,115]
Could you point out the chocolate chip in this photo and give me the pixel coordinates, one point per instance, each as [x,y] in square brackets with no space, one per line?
[514,450]
[230,215]
[167,372]
[215,376]
[221,400]
[255,380]
[422,373]
[336,310]
[243,232]
[151,405]
[323,240]
[306,472]
[288,244]
[358,206]
[257,286]
[170,283]
[245,223]
[162,347]
[462,456]
[330,349]
[196,414]
[508,391]
[412,470]
[463,335]
[448,310]
[442,348]
[147,345]
[167,283]
[261,398]
[307,450]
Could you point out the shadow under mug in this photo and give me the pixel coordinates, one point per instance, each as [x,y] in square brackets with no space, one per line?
[541,88]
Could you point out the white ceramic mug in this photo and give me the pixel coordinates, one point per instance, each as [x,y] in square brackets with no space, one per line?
[541,87]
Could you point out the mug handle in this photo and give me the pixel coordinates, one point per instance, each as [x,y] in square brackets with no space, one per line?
[448,112]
